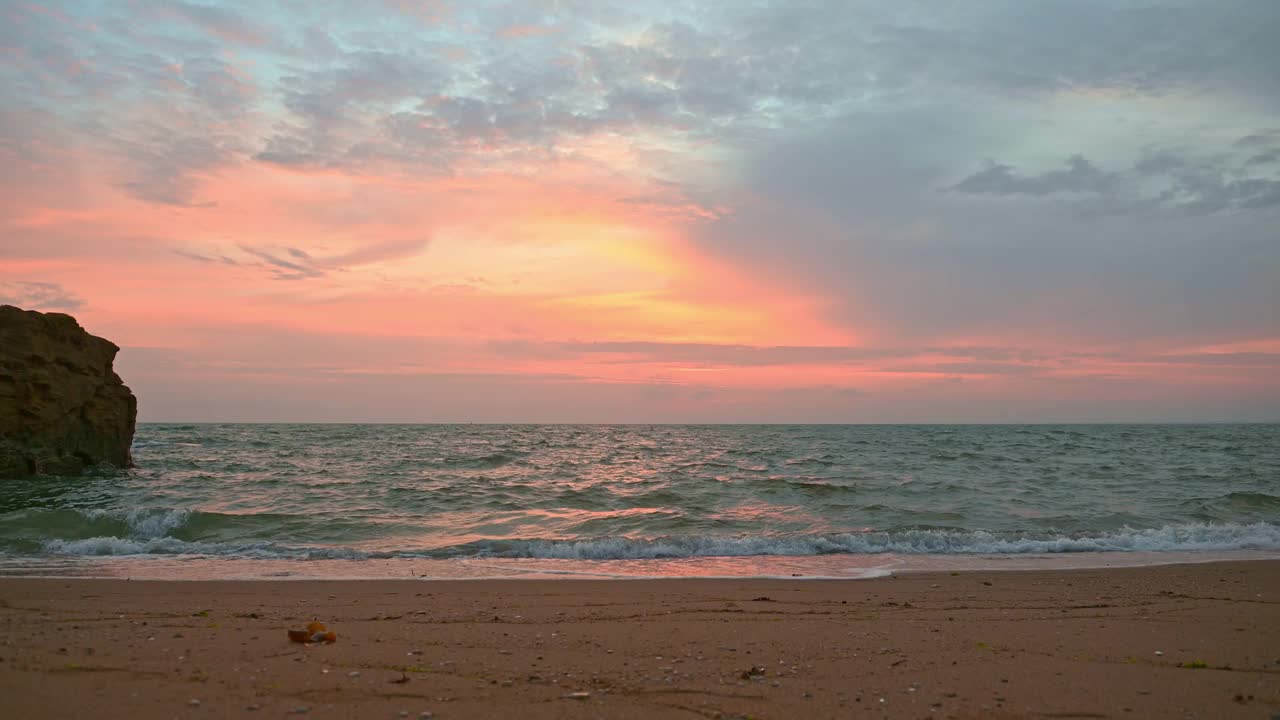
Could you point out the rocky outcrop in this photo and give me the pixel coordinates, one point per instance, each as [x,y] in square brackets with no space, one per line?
[62,406]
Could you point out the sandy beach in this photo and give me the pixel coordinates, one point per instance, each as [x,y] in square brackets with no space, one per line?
[1182,641]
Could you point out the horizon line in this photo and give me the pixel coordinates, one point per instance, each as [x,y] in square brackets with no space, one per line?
[727,424]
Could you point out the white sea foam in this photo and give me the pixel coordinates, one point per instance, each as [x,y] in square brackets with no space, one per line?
[117,546]
[1170,538]
[150,539]
[129,546]
[155,523]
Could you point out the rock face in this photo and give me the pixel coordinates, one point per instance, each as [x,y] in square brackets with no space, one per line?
[62,407]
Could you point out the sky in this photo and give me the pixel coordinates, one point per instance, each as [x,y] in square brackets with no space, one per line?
[643,211]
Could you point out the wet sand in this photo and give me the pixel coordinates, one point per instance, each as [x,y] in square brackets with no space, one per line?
[1178,641]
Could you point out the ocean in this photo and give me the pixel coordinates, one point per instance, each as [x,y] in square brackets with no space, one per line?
[466,501]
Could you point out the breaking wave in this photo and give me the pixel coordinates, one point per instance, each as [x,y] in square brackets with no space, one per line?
[1258,536]
[180,532]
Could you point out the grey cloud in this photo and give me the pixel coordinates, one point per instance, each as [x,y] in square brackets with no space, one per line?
[160,167]
[415,110]
[163,164]
[359,92]
[1208,185]
[165,111]
[333,106]
[1015,49]
[1207,194]
[1254,140]
[290,263]
[859,214]
[39,296]
[1265,158]
[222,259]
[215,84]
[1183,182]
[289,150]
[1081,176]
[681,78]
[42,59]
[282,268]
[318,43]
[1161,161]
[683,75]
[1155,48]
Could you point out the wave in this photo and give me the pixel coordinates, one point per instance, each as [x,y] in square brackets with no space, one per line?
[1260,501]
[168,531]
[492,461]
[1237,506]
[130,546]
[79,523]
[178,532]
[1170,538]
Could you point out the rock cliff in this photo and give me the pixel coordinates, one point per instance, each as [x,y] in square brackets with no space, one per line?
[62,406]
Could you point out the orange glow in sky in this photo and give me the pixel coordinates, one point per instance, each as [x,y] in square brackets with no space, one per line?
[457,215]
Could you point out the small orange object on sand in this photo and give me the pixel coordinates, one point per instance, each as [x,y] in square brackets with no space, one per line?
[315,633]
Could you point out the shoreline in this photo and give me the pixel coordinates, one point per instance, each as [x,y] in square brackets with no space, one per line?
[1177,640]
[194,568]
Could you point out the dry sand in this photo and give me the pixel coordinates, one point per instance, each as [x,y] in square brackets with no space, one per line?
[1183,641]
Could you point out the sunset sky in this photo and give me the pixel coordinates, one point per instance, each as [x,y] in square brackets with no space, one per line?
[644,211]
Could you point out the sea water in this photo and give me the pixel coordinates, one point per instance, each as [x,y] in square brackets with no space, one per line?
[239,500]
